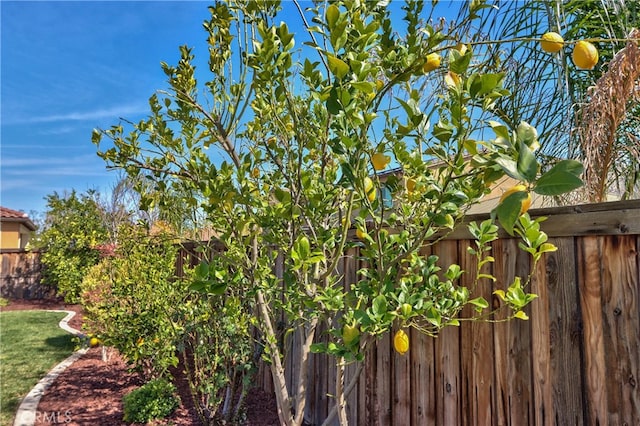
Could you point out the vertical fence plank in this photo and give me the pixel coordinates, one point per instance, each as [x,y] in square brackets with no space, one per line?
[541,348]
[620,328]
[590,278]
[423,379]
[423,374]
[476,348]
[512,343]
[383,373]
[447,347]
[565,333]
[369,391]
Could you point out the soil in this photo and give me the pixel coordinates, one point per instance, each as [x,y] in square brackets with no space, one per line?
[90,391]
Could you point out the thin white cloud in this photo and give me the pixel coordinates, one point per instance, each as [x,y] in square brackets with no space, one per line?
[46,161]
[60,171]
[91,115]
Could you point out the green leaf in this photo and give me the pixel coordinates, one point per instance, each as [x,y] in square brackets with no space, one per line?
[202,270]
[556,182]
[332,14]
[527,163]
[572,166]
[480,303]
[318,348]
[510,167]
[363,86]
[459,63]
[337,66]
[508,210]
[480,85]
[217,289]
[547,248]
[379,305]
[302,247]
[521,315]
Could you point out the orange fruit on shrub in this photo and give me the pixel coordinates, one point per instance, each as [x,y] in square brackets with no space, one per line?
[551,42]
[401,342]
[585,55]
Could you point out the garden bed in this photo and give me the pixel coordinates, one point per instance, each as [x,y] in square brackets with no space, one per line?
[90,391]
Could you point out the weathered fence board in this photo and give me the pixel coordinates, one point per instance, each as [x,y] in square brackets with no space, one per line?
[21,275]
[575,362]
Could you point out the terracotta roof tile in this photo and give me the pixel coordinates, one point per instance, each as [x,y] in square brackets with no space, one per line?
[5,212]
[16,216]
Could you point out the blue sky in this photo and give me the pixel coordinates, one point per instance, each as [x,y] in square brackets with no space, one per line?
[68,67]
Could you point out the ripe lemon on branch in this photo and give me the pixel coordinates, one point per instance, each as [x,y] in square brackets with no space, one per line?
[431,63]
[526,203]
[401,342]
[380,161]
[585,55]
[551,42]
[369,189]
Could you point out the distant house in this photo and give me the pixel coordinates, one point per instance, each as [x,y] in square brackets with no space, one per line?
[486,204]
[15,229]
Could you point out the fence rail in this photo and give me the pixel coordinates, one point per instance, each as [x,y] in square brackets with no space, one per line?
[575,362]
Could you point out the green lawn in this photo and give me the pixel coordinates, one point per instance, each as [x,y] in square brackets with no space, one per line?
[31,344]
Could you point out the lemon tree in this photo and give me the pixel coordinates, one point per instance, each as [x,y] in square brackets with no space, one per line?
[301,124]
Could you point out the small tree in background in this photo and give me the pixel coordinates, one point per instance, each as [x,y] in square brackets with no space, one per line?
[73,228]
[300,141]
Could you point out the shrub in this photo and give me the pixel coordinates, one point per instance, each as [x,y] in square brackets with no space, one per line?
[131,299]
[154,400]
[72,230]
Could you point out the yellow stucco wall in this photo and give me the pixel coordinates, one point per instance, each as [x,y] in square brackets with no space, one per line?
[14,235]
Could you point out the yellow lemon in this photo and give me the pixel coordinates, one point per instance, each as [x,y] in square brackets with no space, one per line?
[410,184]
[401,342]
[361,234]
[369,189]
[350,333]
[526,203]
[432,62]
[452,79]
[94,341]
[380,161]
[585,55]
[551,42]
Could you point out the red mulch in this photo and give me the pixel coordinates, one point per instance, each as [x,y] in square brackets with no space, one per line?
[90,391]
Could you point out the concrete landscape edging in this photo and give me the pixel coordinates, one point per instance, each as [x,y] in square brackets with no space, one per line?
[27,411]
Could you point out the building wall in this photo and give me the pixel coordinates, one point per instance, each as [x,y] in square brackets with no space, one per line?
[14,235]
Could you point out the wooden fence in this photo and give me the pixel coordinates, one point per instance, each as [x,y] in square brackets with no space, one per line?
[21,275]
[575,362]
